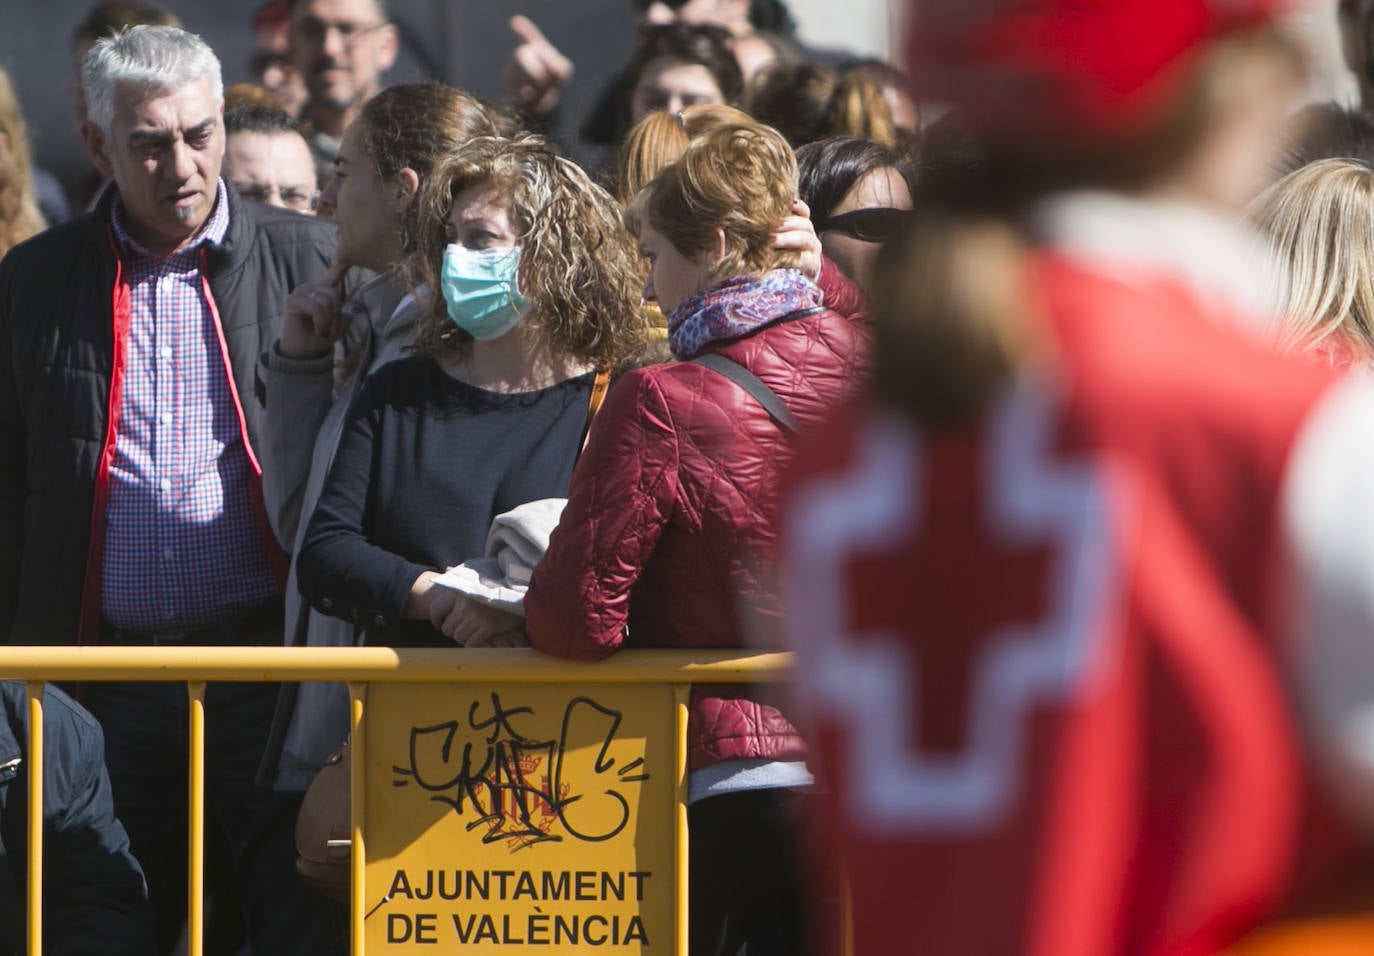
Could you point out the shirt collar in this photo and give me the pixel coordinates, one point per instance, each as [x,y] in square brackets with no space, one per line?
[212,231]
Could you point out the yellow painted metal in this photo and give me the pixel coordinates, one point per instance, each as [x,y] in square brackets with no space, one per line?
[510,815]
[377,664]
[358,667]
[357,808]
[195,877]
[681,699]
[35,821]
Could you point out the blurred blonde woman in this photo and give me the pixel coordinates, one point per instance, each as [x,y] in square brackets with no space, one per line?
[19,215]
[1319,221]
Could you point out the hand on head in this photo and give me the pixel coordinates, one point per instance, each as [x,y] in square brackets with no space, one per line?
[798,232]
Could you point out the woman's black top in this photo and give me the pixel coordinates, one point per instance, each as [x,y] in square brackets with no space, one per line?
[423,465]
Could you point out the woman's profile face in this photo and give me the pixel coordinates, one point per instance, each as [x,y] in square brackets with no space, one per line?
[364,205]
[673,277]
[671,85]
[480,219]
[864,219]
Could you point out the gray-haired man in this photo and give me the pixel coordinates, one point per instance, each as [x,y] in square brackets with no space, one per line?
[130,496]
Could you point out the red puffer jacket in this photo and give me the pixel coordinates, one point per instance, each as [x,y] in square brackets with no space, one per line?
[661,541]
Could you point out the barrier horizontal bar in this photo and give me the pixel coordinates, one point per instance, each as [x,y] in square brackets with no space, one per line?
[384,664]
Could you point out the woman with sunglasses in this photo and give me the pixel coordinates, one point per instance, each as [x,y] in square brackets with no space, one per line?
[859,192]
[664,538]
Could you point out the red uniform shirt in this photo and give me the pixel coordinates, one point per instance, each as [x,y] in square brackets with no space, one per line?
[1044,655]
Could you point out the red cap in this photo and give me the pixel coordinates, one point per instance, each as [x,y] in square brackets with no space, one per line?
[1044,67]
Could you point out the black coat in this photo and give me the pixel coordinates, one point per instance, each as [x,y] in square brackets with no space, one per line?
[57,293]
[94,900]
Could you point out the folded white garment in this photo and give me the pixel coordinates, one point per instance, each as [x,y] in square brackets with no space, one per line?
[515,543]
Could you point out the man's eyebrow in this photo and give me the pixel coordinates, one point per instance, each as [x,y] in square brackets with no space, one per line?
[157,137]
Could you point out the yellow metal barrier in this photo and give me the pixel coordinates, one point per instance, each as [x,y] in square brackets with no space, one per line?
[357,667]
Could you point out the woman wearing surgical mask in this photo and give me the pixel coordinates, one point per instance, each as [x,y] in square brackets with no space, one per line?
[538,302]
[327,345]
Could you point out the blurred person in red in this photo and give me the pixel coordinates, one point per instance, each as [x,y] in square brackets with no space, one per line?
[1081,590]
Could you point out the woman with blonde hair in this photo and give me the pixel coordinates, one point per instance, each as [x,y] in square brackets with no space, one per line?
[667,527]
[659,140]
[1319,221]
[19,215]
[535,303]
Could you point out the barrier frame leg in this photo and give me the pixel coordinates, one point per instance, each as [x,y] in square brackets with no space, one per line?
[195,816]
[34,692]
[357,813]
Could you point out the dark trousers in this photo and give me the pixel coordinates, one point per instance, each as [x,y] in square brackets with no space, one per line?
[749,878]
[146,750]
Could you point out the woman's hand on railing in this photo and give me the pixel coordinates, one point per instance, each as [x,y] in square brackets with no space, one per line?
[470,623]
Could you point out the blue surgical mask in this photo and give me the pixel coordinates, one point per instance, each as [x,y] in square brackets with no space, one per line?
[481,292]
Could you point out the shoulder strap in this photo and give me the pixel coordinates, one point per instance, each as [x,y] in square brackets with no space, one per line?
[599,386]
[752,384]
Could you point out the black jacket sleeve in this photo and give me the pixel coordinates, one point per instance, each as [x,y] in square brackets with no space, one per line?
[340,571]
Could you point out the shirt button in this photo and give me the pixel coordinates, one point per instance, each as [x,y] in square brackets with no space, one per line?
[167,554]
[166,418]
[166,484]
[165,352]
[326,604]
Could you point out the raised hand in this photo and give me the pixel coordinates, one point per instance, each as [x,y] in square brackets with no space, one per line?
[536,73]
[311,321]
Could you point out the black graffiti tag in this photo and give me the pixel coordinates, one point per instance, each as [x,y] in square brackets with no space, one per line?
[486,766]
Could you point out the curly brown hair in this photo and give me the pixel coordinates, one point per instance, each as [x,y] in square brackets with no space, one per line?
[578,265]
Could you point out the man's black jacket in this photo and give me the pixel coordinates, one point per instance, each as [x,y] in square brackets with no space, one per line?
[57,293]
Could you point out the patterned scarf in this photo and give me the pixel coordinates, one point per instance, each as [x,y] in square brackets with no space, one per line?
[738,307]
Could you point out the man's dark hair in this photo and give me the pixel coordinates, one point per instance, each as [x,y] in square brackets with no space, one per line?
[258,119]
[110,16]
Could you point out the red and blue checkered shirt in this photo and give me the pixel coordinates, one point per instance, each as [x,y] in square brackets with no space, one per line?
[183,544]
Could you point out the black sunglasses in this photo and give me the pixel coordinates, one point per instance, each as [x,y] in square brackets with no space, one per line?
[672,4]
[870,225]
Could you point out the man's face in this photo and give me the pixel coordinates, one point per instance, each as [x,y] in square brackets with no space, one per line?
[272,168]
[164,151]
[341,48]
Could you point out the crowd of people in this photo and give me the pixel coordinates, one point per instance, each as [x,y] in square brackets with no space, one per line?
[1021,391]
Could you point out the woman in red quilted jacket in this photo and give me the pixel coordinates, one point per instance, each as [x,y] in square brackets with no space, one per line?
[660,543]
